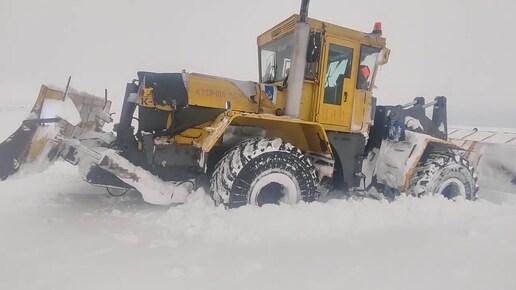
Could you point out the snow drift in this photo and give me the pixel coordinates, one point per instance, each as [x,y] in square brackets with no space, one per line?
[66,234]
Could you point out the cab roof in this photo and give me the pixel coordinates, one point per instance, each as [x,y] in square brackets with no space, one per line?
[329,29]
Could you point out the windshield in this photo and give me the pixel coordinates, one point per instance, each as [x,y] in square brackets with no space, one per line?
[275,59]
[368,63]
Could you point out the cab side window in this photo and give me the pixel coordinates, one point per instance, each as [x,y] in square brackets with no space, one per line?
[339,66]
[368,63]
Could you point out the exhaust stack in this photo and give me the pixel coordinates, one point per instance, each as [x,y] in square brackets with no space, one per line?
[297,67]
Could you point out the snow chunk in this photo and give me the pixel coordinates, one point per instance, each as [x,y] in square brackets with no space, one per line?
[65,110]
[413,123]
[153,189]
[396,158]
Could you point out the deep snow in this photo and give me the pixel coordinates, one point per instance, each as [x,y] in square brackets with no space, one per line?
[58,232]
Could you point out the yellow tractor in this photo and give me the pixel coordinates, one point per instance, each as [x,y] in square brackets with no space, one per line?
[310,126]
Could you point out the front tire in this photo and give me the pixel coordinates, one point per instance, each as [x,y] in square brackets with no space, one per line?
[263,171]
[449,175]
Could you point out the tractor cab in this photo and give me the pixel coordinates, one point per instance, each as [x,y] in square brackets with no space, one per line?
[339,73]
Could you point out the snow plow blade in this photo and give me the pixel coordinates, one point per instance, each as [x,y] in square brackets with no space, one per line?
[14,149]
[153,189]
[492,152]
[54,119]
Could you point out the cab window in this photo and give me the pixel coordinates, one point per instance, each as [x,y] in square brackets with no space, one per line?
[368,63]
[275,58]
[339,66]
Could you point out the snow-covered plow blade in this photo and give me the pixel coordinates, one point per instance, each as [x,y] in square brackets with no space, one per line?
[56,118]
[69,125]
[492,152]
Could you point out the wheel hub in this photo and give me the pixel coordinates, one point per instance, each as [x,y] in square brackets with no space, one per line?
[274,188]
[452,188]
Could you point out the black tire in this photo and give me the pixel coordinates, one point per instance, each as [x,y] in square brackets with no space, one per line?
[247,174]
[447,174]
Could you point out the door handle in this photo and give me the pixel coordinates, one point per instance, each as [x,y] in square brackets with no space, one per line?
[345,96]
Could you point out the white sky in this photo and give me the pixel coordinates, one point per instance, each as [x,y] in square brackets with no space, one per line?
[457,48]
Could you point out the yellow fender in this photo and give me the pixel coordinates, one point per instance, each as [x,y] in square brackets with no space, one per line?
[307,136]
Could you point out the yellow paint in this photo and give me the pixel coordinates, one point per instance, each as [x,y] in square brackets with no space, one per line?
[54,95]
[307,136]
[169,120]
[36,147]
[147,100]
[36,109]
[213,92]
[339,115]
[353,114]
[307,108]
[191,136]
[287,26]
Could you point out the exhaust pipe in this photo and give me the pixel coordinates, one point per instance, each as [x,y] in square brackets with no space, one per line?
[297,67]
[303,12]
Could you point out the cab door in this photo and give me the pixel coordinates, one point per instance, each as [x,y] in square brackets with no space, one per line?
[338,81]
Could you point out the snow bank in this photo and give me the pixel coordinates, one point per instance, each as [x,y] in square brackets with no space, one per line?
[65,110]
[11,118]
[73,236]
[315,221]
[497,173]
[60,233]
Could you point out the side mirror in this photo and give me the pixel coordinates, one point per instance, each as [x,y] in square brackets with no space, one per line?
[314,48]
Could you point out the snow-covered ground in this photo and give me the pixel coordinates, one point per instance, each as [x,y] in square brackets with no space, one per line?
[57,232]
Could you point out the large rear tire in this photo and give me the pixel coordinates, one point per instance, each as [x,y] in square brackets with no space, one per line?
[449,175]
[262,171]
